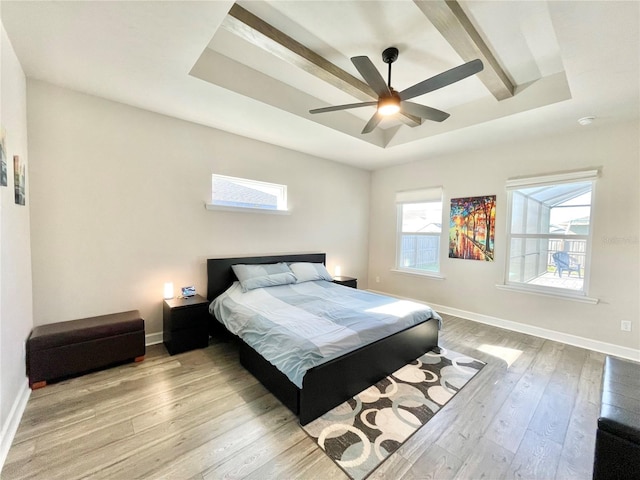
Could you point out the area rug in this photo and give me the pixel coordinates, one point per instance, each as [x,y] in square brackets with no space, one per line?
[361,433]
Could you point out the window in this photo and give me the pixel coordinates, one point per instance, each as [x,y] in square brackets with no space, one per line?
[549,234]
[419,230]
[242,193]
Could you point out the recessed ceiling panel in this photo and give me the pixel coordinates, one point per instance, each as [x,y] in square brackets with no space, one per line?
[343,29]
[526,44]
[337,31]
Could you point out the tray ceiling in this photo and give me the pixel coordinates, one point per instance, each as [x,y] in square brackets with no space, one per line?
[546,64]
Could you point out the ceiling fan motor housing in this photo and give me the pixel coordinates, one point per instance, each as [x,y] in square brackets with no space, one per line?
[390,55]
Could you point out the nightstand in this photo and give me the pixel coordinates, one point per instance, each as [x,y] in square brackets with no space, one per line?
[185,323]
[346,281]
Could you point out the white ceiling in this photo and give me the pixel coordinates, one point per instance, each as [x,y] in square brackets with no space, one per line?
[568,60]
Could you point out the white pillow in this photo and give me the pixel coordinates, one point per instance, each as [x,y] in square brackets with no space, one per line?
[307,272]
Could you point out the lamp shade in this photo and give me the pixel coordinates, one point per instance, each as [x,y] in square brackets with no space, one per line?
[337,271]
[168,290]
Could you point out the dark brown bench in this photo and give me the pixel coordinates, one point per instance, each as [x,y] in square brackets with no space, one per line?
[63,349]
[617,453]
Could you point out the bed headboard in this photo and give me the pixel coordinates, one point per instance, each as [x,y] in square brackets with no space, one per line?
[220,276]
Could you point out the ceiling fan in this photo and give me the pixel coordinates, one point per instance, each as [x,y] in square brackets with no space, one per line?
[390,101]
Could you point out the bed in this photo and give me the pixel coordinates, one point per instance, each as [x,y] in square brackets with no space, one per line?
[330,383]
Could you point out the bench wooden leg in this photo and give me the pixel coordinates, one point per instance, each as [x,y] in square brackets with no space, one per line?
[37,385]
[139,359]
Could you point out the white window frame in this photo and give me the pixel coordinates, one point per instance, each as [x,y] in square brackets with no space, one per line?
[539,181]
[280,191]
[423,195]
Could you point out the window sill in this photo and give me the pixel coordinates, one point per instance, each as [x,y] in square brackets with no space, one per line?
[221,208]
[546,293]
[433,275]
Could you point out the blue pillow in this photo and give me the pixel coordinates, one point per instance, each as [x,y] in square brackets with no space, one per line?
[267,275]
[307,272]
[268,281]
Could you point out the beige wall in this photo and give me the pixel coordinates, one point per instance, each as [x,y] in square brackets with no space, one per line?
[118,199]
[470,286]
[16,314]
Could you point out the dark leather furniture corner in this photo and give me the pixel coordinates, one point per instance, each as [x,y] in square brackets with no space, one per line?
[68,348]
[617,454]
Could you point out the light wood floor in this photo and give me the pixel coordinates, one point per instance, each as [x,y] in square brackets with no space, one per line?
[200,415]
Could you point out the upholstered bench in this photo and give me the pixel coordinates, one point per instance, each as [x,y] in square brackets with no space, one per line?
[68,348]
[617,454]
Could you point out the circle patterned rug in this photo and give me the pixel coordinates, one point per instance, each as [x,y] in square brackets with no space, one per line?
[362,432]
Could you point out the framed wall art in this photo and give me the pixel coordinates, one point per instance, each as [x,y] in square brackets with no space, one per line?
[472,228]
[19,180]
[3,159]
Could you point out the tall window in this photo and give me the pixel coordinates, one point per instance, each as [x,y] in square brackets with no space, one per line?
[243,193]
[419,230]
[549,234]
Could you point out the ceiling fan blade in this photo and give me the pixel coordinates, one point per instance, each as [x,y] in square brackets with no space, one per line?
[424,112]
[371,75]
[372,123]
[443,79]
[342,107]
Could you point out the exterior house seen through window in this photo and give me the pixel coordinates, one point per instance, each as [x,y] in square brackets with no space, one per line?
[549,236]
[242,193]
[419,230]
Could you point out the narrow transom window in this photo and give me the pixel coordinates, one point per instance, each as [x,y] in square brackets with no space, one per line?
[243,193]
[419,230]
[549,232]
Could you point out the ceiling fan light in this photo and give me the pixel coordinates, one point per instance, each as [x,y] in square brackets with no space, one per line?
[388,106]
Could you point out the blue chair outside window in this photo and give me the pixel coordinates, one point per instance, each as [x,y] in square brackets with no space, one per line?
[565,263]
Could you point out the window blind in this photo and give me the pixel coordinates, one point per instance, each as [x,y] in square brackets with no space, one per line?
[433,194]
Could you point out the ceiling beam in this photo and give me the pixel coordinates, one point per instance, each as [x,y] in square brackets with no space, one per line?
[454,25]
[258,32]
[255,30]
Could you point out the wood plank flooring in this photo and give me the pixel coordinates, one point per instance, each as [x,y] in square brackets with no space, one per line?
[530,413]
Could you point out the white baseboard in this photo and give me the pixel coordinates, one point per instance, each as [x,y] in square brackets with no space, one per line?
[13,421]
[153,338]
[575,340]
[15,415]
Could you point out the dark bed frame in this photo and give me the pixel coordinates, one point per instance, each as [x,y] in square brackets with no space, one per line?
[333,382]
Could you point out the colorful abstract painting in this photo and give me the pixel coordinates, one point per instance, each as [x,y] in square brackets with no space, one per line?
[472,228]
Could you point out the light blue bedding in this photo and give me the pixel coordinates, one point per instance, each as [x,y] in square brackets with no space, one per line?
[299,326]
